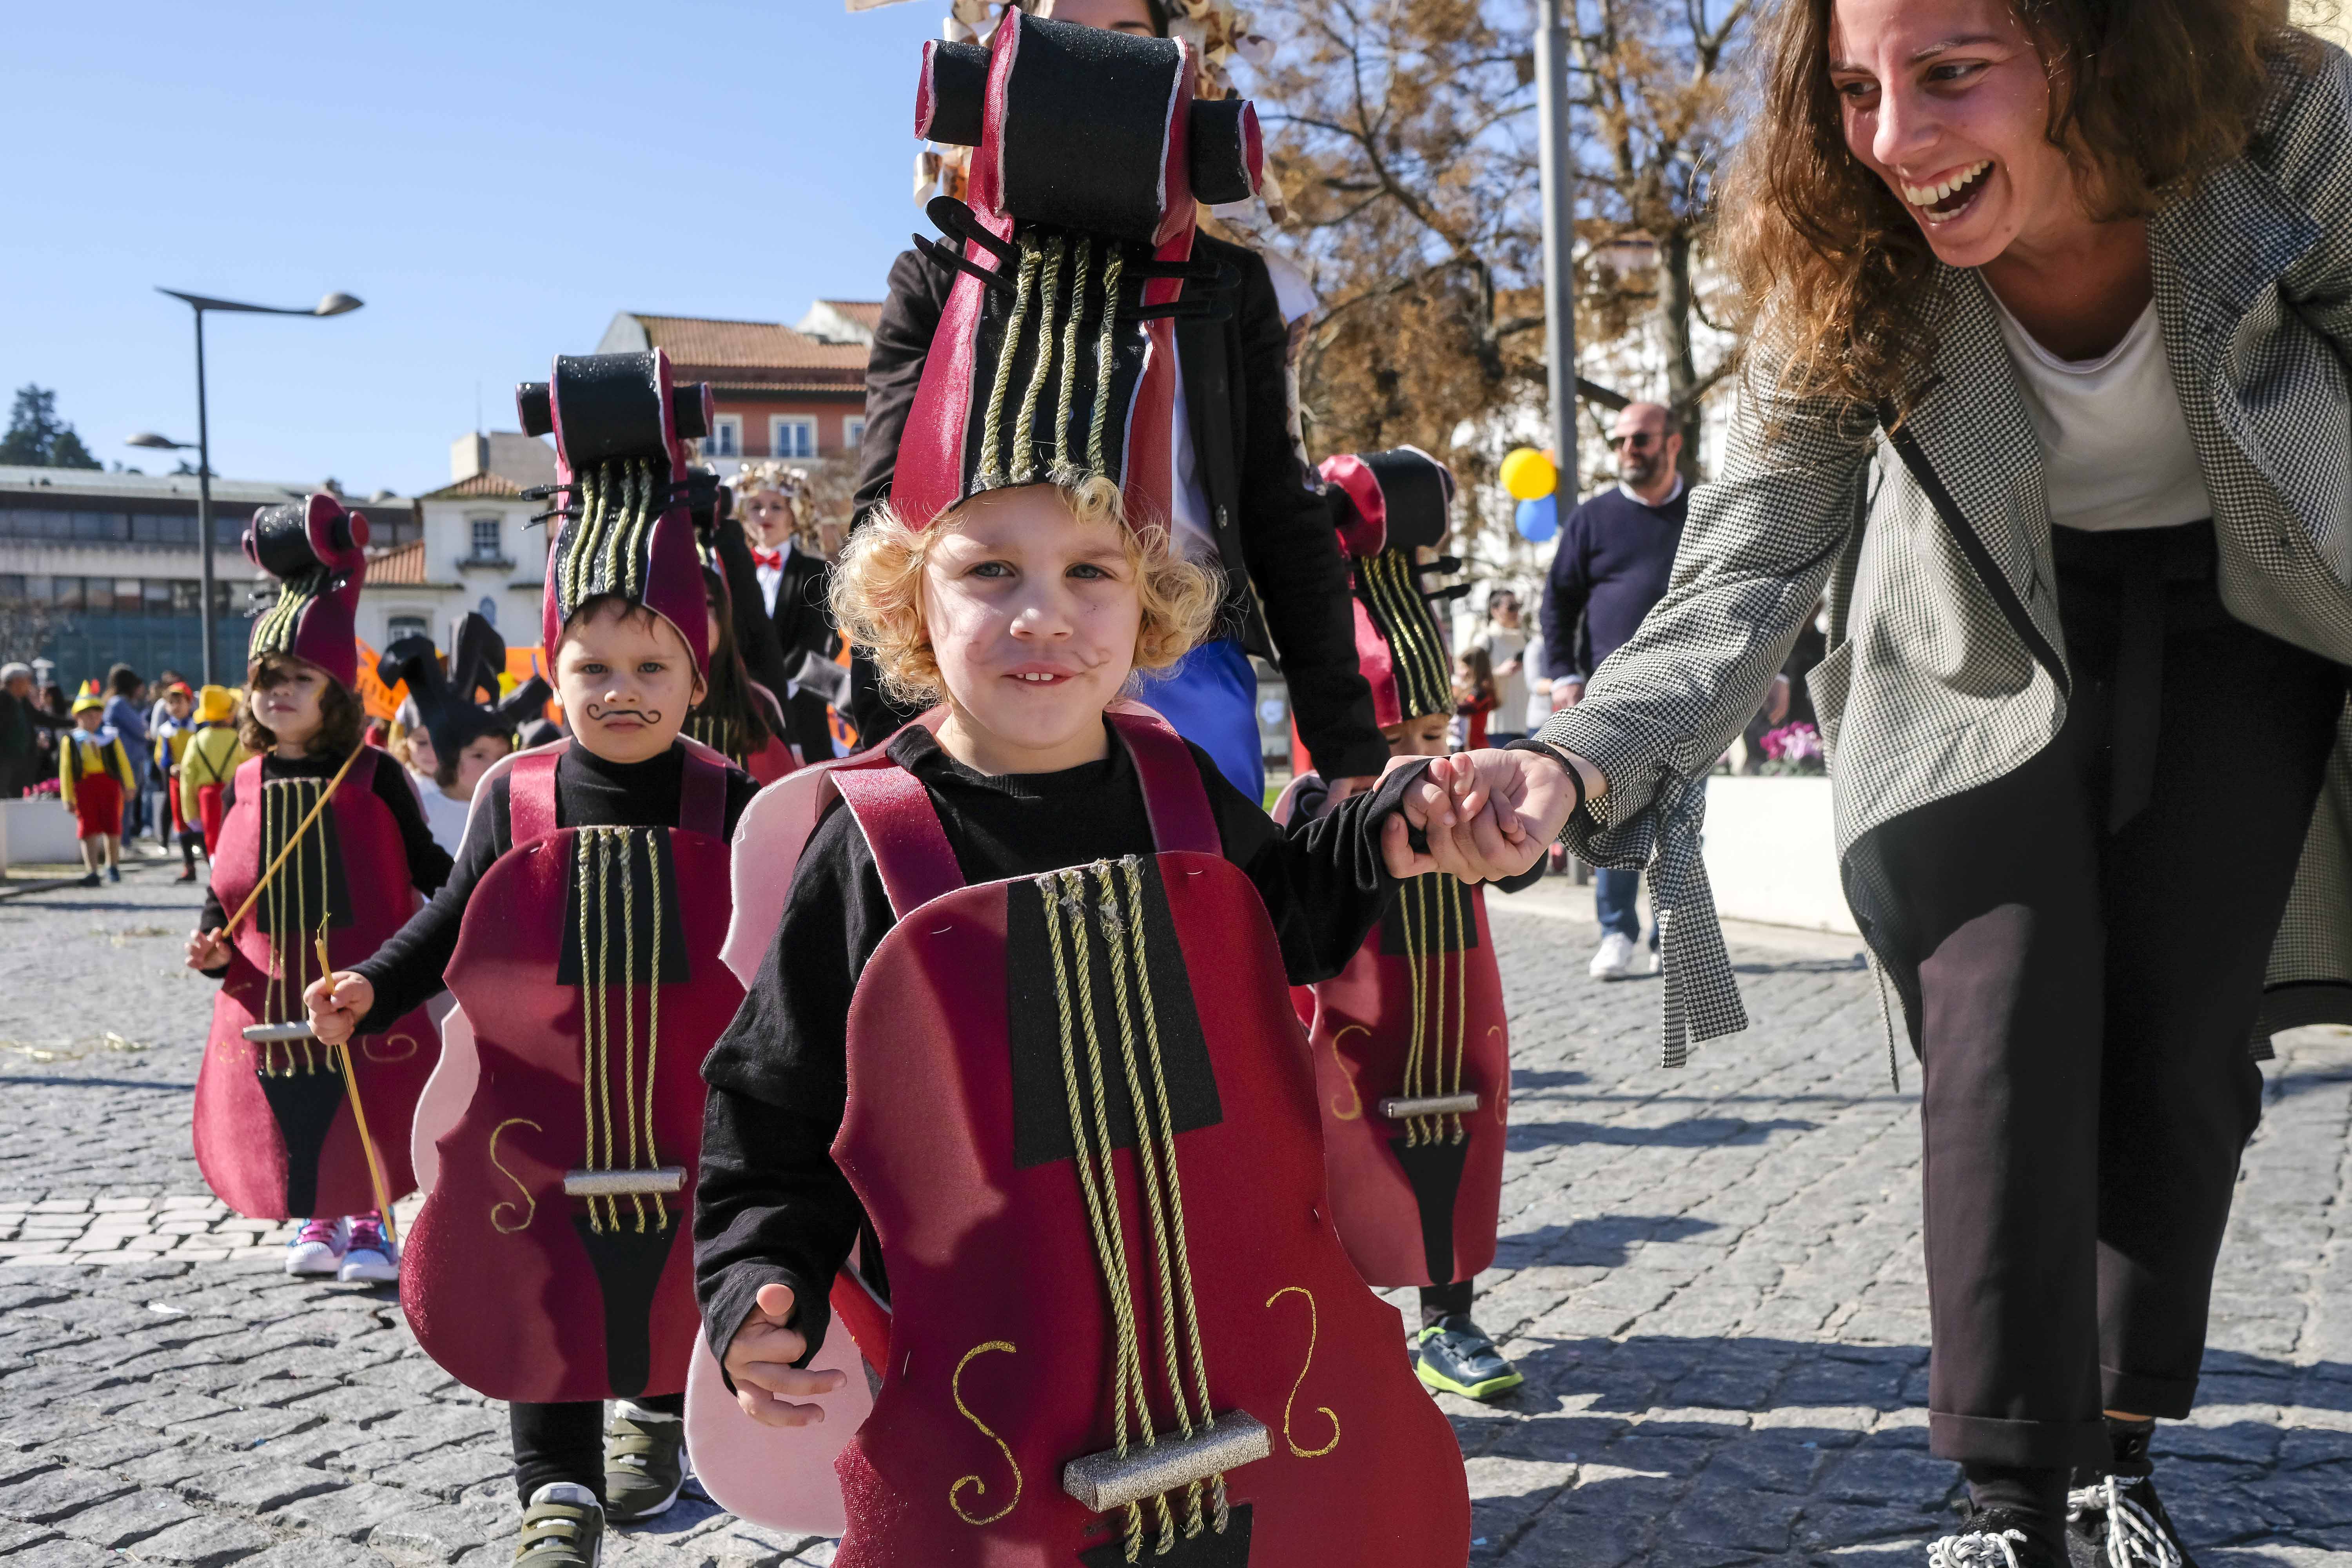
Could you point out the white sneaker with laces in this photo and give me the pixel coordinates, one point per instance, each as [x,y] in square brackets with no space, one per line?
[1614,958]
[1654,962]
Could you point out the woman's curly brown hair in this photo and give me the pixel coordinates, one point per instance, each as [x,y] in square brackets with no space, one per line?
[877,593]
[1833,274]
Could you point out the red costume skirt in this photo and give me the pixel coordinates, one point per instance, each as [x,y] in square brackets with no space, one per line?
[97,806]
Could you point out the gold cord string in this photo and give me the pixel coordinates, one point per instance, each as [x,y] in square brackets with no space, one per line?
[591,996]
[1102,1210]
[1106,350]
[1066,473]
[1024,456]
[993,427]
[629,1010]
[1459,896]
[1180,1243]
[653,1019]
[1410,905]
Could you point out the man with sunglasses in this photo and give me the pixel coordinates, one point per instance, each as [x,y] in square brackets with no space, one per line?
[1616,552]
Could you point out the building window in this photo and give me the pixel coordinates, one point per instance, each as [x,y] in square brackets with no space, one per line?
[157,594]
[726,438]
[487,609]
[852,432]
[486,537]
[68,596]
[400,627]
[187,597]
[792,436]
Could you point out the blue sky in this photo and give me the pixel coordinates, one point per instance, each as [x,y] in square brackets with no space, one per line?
[494,180]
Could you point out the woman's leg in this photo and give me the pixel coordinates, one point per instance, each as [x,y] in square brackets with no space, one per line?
[2000,944]
[2196,883]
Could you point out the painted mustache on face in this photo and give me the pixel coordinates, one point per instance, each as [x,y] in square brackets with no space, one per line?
[645,715]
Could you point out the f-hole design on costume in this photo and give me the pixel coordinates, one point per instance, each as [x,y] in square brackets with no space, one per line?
[1100,908]
[298,1079]
[980,1487]
[1306,1365]
[628,1244]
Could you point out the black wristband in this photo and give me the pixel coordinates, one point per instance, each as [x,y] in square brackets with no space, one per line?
[1574,777]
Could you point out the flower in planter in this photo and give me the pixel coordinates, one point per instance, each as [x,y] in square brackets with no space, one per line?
[1793,749]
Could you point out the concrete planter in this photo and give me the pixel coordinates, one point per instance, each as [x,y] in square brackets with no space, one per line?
[1771,852]
[36,833]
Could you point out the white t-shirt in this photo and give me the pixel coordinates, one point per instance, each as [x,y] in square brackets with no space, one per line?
[444,818]
[2115,451]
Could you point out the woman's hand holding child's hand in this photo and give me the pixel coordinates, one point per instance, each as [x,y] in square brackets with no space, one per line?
[336,1004]
[1487,814]
[759,1364]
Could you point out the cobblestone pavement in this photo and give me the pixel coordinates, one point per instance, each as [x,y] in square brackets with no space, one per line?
[1712,1279]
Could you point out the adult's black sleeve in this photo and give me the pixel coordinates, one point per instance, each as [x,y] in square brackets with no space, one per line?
[1323,880]
[406,970]
[1567,588]
[769,1203]
[894,367]
[1292,553]
[428,863]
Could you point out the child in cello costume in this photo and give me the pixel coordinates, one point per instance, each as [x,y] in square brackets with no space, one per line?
[465,723]
[579,935]
[276,1134]
[1024,1027]
[1412,1045]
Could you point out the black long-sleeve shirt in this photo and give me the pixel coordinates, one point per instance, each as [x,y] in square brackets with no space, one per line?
[589,792]
[428,863]
[772,1205]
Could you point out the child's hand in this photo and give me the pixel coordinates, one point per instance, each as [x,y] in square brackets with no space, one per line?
[1501,809]
[206,949]
[759,1364]
[336,1004]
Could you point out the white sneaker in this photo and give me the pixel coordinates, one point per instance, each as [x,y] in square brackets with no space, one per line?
[1615,961]
[371,1259]
[1654,963]
[317,1248]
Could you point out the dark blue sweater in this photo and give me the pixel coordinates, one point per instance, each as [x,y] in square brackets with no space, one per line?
[1614,558]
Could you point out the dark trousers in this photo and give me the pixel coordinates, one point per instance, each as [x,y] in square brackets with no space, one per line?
[2081,996]
[566,1442]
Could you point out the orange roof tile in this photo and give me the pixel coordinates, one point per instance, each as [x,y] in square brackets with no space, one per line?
[867,313]
[402,565]
[481,485]
[694,341]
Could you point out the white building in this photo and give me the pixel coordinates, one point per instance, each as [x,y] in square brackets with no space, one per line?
[476,548]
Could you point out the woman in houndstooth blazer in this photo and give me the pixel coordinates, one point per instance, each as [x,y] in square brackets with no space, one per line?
[2047,392]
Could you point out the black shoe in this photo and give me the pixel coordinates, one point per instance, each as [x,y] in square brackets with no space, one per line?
[90,881]
[1993,1538]
[113,874]
[2119,1523]
[1455,1356]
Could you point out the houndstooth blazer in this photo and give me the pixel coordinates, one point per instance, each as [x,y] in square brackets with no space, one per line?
[1947,667]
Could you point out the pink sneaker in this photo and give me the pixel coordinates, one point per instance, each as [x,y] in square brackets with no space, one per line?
[369,1258]
[317,1248]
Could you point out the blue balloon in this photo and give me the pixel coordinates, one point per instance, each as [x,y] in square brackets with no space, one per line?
[1539,520]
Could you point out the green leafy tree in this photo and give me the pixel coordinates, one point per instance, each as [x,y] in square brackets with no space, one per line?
[38,438]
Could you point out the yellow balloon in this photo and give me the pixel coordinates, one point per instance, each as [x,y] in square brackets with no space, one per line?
[1528,475]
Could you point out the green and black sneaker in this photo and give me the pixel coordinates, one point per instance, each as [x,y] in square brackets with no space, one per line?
[644,1463]
[562,1528]
[1455,1356]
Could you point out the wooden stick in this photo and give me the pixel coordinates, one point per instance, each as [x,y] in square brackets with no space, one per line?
[358,1114]
[293,838]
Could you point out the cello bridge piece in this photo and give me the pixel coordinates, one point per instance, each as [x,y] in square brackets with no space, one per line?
[277,1034]
[1399,1108]
[624,1183]
[1108,1481]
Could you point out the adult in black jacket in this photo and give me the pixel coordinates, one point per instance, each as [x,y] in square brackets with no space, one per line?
[791,583]
[1286,596]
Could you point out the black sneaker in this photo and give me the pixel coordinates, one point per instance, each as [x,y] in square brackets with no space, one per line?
[1992,1538]
[1455,1356]
[90,881]
[2119,1523]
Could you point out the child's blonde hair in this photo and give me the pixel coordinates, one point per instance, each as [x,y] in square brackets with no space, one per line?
[876,592]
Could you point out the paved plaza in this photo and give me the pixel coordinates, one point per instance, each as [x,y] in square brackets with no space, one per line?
[1711,1278]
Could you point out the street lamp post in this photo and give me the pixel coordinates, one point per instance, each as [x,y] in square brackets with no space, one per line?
[1559,149]
[334,304]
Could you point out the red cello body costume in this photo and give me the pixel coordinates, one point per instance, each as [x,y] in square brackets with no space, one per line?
[1113,1095]
[588,969]
[273,1135]
[1418,1014]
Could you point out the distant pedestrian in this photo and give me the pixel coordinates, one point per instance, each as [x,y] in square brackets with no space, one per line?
[1474,700]
[25,725]
[1505,640]
[126,716]
[94,776]
[1615,555]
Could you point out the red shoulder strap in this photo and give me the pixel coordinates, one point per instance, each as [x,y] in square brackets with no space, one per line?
[703,797]
[363,773]
[1173,797]
[902,827]
[248,779]
[531,795]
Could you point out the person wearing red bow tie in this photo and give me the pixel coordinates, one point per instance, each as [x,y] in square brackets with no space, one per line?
[770,500]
